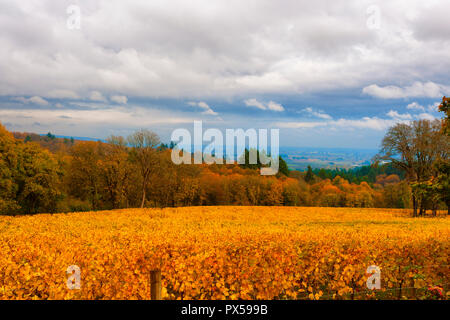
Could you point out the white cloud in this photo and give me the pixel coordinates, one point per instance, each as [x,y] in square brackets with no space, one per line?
[210,112]
[434,107]
[20,99]
[89,105]
[431,107]
[33,100]
[317,114]
[396,115]
[415,106]
[97,96]
[119,99]
[273,106]
[62,94]
[373,123]
[300,125]
[417,89]
[87,122]
[203,105]
[38,100]
[254,103]
[426,116]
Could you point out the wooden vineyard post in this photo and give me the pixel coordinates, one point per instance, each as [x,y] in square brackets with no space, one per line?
[155,284]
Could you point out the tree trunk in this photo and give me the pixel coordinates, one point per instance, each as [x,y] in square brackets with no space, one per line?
[414,206]
[143,197]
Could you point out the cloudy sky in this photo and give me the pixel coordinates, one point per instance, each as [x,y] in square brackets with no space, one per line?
[327,73]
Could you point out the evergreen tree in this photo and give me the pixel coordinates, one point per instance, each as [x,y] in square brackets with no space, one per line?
[309,177]
[283,167]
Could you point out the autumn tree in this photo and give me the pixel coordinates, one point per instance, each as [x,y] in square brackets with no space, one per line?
[397,147]
[445,108]
[432,149]
[441,184]
[144,154]
[295,192]
[396,195]
[414,148]
[29,177]
[327,194]
[38,178]
[274,192]
[116,172]
[85,180]
[8,165]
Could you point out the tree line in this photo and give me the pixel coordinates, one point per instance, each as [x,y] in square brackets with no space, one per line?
[367,173]
[138,172]
[48,174]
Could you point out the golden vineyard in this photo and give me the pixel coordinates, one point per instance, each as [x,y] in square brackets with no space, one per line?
[226,253]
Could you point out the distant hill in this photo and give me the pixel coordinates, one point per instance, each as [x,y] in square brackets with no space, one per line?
[299,158]
[48,141]
[77,138]
[51,142]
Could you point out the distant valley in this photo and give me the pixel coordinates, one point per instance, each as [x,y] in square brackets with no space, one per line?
[299,158]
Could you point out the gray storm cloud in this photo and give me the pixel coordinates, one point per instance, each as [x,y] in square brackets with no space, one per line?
[309,67]
[216,49]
